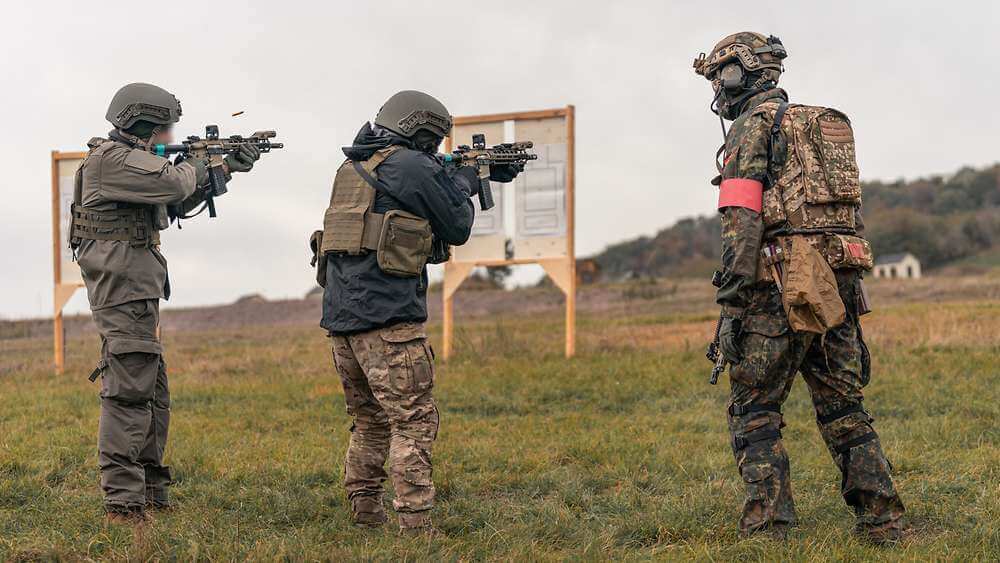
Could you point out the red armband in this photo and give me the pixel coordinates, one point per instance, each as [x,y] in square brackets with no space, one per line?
[741,192]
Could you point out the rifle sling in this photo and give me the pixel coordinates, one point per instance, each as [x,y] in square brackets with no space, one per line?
[373,221]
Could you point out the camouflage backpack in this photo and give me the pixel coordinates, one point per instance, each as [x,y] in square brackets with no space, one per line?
[817,184]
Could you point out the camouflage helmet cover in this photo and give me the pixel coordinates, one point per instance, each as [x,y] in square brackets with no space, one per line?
[753,51]
[143,102]
[409,111]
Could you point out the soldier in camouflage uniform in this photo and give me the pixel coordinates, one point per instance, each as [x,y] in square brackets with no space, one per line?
[124,196]
[393,208]
[788,173]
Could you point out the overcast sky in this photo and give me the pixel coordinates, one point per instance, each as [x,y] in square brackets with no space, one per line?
[919,79]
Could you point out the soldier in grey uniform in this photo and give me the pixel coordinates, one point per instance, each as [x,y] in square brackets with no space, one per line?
[125,195]
[394,207]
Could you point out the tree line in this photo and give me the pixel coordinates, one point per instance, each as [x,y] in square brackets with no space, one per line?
[939,219]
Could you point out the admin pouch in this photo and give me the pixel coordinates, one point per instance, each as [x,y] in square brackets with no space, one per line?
[845,251]
[404,244]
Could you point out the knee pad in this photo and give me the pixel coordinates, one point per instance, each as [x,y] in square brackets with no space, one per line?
[846,427]
[746,432]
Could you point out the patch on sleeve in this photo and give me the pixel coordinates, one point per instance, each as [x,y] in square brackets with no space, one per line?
[741,192]
[145,162]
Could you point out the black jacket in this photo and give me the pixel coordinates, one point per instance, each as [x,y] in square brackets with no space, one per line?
[358,295]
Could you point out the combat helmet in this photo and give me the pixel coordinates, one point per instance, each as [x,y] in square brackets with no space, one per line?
[143,102]
[410,111]
[740,65]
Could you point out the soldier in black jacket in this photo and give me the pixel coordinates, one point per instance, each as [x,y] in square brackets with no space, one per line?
[394,207]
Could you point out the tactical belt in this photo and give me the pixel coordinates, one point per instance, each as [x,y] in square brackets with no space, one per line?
[740,410]
[840,413]
[740,442]
[131,224]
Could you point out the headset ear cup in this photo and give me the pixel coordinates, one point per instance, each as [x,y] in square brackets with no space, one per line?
[732,76]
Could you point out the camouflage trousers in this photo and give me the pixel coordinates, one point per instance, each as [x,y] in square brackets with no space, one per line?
[388,379]
[135,407]
[835,367]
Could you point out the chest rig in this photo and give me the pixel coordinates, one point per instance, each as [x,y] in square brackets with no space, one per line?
[402,241]
[130,223]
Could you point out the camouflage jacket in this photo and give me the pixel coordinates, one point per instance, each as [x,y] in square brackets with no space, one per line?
[745,158]
[748,169]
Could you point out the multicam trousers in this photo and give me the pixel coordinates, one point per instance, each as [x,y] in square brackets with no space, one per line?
[135,407]
[836,367]
[388,378]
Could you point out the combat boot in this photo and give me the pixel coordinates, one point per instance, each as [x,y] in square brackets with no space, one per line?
[888,534]
[158,505]
[416,524]
[127,517]
[157,500]
[368,512]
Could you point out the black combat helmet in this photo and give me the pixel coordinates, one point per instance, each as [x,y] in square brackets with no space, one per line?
[410,111]
[143,102]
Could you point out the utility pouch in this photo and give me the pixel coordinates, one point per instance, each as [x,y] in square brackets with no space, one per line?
[811,297]
[773,211]
[404,244]
[825,143]
[864,302]
[845,251]
[130,369]
[769,265]
[319,257]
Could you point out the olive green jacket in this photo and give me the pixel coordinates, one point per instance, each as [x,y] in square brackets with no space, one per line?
[115,174]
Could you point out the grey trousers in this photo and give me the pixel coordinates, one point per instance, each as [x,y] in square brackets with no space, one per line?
[135,407]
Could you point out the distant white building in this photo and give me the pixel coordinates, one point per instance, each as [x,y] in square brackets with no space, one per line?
[903,265]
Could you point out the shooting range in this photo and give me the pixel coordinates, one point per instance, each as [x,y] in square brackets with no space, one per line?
[66,273]
[543,209]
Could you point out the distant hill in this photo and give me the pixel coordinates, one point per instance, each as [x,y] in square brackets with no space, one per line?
[942,220]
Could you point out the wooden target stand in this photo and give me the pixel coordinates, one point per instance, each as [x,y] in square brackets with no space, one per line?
[559,263]
[65,277]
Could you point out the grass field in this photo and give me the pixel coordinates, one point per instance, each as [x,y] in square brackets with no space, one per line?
[620,453]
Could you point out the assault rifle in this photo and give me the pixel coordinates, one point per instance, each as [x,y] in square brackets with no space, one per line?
[215,149]
[481,156]
[714,354]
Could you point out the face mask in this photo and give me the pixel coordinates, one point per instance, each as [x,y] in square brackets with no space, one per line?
[425,141]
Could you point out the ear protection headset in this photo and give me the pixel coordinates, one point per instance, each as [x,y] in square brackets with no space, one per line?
[732,76]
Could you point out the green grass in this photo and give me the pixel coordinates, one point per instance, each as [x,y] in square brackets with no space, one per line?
[620,453]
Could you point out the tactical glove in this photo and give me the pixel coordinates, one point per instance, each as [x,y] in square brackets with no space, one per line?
[243,159]
[504,172]
[471,175]
[200,166]
[729,340]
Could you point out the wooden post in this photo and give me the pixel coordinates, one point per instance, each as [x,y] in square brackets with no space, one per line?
[61,292]
[454,274]
[447,334]
[571,229]
[562,270]
[58,334]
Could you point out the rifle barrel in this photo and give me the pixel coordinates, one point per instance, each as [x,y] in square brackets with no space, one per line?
[164,150]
